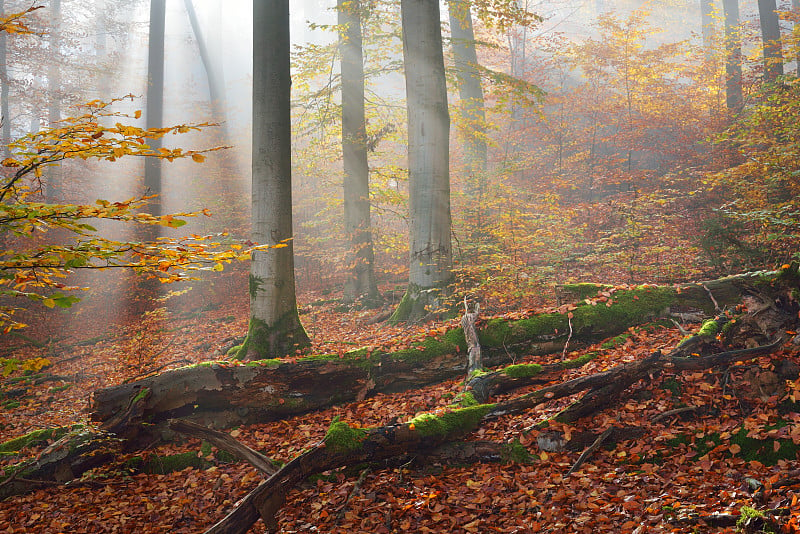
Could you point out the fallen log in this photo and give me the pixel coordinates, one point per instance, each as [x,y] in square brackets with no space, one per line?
[225,394]
[344,445]
[69,457]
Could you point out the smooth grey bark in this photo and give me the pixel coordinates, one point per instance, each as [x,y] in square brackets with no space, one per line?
[707,27]
[796,29]
[430,249]
[216,88]
[473,114]
[733,56]
[361,257]
[275,327]
[771,39]
[154,114]
[5,115]
[101,50]
[54,93]
[469,85]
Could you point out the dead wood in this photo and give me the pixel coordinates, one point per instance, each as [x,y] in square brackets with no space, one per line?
[223,394]
[588,452]
[226,443]
[468,321]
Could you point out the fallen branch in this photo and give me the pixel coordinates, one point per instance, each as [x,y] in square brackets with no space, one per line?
[226,443]
[588,452]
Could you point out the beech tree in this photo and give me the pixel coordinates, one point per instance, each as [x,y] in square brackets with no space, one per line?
[154,114]
[733,56]
[54,91]
[4,108]
[361,280]
[275,327]
[430,249]
[469,86]
[771,39]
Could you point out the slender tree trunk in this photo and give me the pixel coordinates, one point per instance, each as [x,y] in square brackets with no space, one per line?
[796,29]
[275,328]
[430,269]
[771,39]
[469,91]
[5,115]
[154,117]
[54,176]
[733,56]
[214,77]
[707,29]
[361,258]
[101,51]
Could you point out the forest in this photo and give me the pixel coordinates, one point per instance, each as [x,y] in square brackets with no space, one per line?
[390,266]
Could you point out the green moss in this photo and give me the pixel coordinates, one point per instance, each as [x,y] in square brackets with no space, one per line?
[37,437]
[254,284]
[11,404]
[515,452]
[264,341]
[578,362]
[522,370]
[477,373]
[751,449]
[426,349]
[615,341]
[672,385]
[465,398]
[144,392]
[457,421]
[342,438]
[748,517]
[709,328]
[162,465]
[233,351]
[584,290]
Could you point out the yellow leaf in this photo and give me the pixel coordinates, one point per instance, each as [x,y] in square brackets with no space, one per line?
[199,158]
[50,303]
[10,162]
[280,245]
[137,114]
[217,267]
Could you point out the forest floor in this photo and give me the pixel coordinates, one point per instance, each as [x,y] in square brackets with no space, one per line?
[684,467]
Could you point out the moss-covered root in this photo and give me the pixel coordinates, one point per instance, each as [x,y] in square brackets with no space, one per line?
[418,302]
[264,341]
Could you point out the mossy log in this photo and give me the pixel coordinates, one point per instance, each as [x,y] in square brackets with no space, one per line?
[344,445]
[225,394]
[75,453]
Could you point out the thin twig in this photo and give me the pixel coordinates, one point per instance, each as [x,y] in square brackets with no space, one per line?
[711,296]
[676,411]
[566,344]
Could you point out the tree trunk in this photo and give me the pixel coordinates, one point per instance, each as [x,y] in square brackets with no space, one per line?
[275,328]
[473,115]
[430,249]
[733,56]
[54,175]
[361,282]
[154,114]
[771,39]
[216,89]
[5,115]
[796,30]
[707,27]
